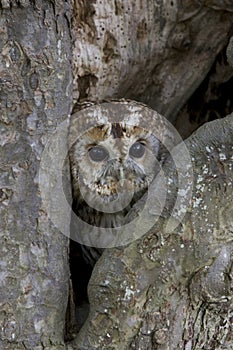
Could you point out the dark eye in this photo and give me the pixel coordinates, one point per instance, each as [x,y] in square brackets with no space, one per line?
[98,153]
[137,150]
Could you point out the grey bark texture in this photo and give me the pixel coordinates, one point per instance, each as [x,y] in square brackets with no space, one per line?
[170,290]
[35,79]
[166,291]
[154,51]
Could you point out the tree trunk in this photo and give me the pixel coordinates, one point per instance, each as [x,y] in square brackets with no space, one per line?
[36,96]
[157,52]
[170,290]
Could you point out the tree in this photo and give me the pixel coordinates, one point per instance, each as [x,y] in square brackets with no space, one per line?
[155,52]
[36,96]
[172,288]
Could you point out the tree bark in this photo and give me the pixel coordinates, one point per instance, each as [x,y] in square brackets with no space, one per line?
[157,52]
[36,95]
[172,289]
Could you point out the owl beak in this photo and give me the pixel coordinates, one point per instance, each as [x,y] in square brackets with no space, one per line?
[122,176]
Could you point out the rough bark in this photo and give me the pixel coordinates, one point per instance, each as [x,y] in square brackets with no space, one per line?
[154,51]
[35,78]
[157,52]
[172,289]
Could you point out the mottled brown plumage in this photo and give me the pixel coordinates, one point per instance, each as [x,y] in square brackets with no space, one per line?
[112,159]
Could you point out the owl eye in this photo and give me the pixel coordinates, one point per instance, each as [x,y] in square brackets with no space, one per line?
[137,150]
[98,153]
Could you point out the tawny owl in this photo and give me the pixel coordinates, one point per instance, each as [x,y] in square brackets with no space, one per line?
[114,157]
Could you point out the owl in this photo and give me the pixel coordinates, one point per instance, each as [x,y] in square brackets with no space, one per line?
[114,158]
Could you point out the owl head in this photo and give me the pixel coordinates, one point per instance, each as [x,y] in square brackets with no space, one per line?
[113,159]
[116,151]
